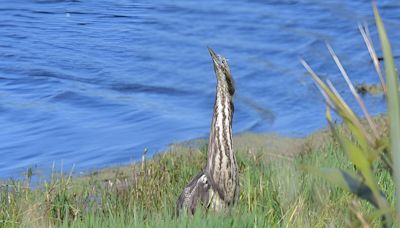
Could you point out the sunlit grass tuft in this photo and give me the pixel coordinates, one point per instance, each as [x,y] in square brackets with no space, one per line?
[274,192]
[366,148]
[275,189]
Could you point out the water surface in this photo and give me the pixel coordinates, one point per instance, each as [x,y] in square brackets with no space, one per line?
[94,82]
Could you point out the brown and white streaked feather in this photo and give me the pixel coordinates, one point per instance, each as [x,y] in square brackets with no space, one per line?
[217,186]
[196,193]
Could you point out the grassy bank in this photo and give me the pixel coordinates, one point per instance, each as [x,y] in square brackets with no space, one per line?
[274,190]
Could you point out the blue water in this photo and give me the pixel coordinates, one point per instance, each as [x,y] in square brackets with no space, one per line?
[92,83]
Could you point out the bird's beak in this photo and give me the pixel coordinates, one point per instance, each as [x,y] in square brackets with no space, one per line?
[214,57]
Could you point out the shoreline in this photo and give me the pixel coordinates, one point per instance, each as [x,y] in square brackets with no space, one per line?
[267,146]
[143,194]
[273,145]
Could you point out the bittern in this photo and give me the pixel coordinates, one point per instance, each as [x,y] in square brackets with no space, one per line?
[217,185]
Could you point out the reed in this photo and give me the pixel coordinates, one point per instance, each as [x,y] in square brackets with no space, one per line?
[274,192]
[367,147]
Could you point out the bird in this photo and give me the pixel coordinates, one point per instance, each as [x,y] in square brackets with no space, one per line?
[216,187]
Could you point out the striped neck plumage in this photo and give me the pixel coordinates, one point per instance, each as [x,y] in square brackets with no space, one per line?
[221,130]
[221,164]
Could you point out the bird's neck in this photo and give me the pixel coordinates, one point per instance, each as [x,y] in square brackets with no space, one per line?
[221,128]
[220,152]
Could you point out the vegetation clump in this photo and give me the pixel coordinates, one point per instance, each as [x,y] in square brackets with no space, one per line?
[284,182]
[274,191]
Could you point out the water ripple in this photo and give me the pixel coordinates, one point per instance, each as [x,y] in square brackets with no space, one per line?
[93,83]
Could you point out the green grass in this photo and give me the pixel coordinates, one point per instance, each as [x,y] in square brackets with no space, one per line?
[274,192]
[368,148]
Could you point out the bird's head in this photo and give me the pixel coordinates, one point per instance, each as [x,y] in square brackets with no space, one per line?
[222,72]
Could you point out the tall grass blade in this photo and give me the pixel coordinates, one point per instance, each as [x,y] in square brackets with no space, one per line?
[347,181]
[355,127]
[339,106]
[354,92]
[393,102]
[370,46]
[359,152]
[360,160]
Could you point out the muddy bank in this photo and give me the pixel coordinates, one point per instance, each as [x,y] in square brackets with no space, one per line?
[265,147]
